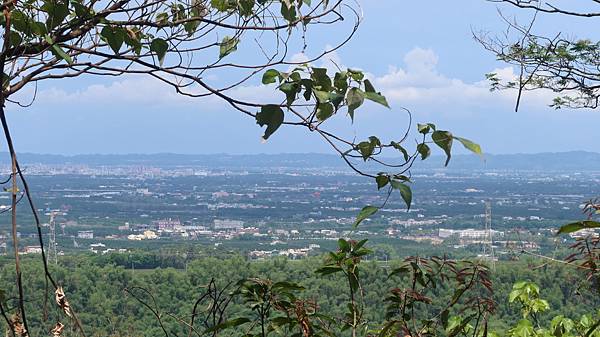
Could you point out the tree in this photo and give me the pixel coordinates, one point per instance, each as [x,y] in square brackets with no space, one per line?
[570,68]
[567,66]
[180,43]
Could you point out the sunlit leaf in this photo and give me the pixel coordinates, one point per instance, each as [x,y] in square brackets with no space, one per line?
[443,139]
[577,226]
[364,213]
[228,45]
[469,145]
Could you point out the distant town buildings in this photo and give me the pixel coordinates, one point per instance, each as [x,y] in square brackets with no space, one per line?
[227,224]
[468,233]
[85,234]
[32,250]
[166,224]
[146,235]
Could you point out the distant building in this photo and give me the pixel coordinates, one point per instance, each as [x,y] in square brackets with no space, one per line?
[85,234]
[147,235]
[445,233]
[583,233]
[220,194]
[166,224]
[143,191]
[467,233]
[32,250]
[477,233]
[228,224]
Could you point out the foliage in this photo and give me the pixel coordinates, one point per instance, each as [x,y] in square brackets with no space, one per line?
[557,62]
[527,295]
[109,297]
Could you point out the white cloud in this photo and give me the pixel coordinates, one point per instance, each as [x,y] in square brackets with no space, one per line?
[141,92]
[417,81]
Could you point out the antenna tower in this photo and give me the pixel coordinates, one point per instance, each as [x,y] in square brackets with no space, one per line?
[52,244]
[488,244]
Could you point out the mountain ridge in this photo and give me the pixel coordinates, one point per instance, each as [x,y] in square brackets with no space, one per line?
[546,161]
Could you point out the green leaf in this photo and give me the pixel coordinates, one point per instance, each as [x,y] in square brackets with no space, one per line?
[162,18]
[15,38]
[425,128]
[369,86]
[366,149]
[287,286]
[220,5]
[469,145]
[321,79]
[5,81]
[344,245]
[58,51]
[307,84]
[444,318]
[377,98]
[20,22]
[114,37]
[354,99]
[57,12]
[364,213]
[356,75]
[270,76]
[228,45]
[423,150]
[577,226]
[523,329]
[340,81]
[399,271]
[353,281]
[405,193]
[38,28]
[191,27]
[160,47]
[360,244]
[245,7]
[373,95]
[443,139]
[322,96]
[324,111]
[288,11]
[132,39]
[290,89]
[336,99]
[389,329]
[400,148]
[382,180]
[271,116]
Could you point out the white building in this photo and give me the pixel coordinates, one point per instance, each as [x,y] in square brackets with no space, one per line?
[85,234]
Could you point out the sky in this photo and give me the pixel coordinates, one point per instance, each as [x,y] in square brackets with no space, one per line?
[420,54]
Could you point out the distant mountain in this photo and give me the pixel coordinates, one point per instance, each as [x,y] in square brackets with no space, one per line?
[559,161]
[547,161]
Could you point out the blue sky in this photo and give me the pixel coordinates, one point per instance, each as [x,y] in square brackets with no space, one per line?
[420,54]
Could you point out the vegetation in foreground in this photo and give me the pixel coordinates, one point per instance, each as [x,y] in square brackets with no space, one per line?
[232,296]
